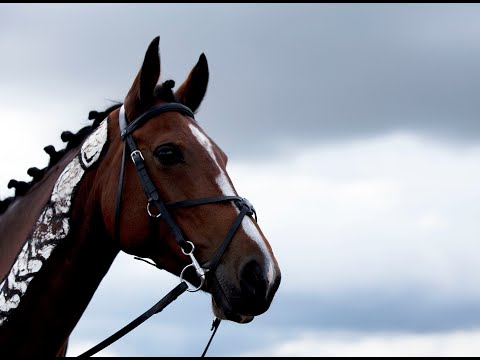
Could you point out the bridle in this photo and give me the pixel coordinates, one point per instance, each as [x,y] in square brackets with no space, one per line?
[153,196]
[162,212]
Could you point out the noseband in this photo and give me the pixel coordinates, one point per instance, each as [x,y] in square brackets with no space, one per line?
[153,197]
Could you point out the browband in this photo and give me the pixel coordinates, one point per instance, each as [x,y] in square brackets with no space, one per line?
[126,129]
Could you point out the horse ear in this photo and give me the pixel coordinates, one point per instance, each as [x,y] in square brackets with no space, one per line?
[141,93]
[193,89]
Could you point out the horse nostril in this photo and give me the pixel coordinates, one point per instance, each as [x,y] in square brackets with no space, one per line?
[253,281]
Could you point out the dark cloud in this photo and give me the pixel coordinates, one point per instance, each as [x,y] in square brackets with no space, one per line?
[304,72]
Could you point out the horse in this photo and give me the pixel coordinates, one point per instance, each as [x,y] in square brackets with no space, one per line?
[144,179]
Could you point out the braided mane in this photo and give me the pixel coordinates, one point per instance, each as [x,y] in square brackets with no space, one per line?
[163,92]
[72,140]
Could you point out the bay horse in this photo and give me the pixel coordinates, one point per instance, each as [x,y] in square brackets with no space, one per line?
[145,179]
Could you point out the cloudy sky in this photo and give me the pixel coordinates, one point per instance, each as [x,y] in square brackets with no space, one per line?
[353,129]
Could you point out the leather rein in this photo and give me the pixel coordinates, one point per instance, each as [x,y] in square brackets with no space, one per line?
[162,212]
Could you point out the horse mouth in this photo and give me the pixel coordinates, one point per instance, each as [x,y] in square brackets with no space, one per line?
[228,303]
[231,299]
[221,305]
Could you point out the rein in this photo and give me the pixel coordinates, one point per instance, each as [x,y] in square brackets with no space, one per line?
[153,198]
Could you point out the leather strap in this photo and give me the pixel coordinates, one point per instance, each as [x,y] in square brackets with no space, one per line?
[154,111]
[233,229]
[215,325]
[155,309]
[239,201]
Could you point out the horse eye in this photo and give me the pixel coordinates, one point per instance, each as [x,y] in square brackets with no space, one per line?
[169,155]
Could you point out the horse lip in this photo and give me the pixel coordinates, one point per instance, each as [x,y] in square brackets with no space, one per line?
[221,306]
[229,315]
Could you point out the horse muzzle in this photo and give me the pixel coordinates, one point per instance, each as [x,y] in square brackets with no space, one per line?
[251,295]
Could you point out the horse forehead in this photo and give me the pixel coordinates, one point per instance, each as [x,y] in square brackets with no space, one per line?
[161,129]
[206,142]
[166,122]
[177,128]
[184,129]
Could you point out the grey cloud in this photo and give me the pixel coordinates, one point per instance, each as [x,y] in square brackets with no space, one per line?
[307,72]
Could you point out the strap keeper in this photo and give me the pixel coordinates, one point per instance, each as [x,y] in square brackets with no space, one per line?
[153,196]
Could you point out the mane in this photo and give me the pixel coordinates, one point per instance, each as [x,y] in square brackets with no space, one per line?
[162,92]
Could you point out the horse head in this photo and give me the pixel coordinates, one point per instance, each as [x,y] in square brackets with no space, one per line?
[188,209]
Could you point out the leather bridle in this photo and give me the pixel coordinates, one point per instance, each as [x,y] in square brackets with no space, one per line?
[162,212]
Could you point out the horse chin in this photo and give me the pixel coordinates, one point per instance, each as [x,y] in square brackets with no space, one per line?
[228,315]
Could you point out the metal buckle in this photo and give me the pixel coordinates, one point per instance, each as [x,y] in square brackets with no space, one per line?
[136,152]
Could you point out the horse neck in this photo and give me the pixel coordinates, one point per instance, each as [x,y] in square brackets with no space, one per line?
[59,293]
